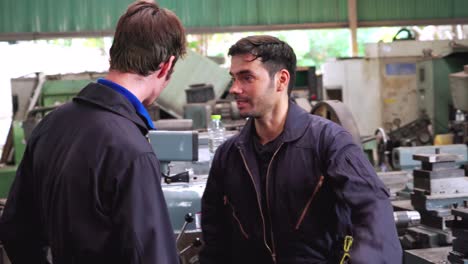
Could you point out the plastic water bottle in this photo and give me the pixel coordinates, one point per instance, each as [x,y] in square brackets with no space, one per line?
[215,134]
[459,116]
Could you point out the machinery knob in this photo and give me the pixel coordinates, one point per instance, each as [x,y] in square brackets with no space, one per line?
[189,218]
[197,242]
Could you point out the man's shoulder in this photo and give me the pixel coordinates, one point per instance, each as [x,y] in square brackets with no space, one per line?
[324,126]
[96,127]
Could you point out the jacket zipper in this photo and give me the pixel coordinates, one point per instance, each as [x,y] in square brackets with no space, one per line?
[226,202]
[273,255]
[259,205]
[307,206]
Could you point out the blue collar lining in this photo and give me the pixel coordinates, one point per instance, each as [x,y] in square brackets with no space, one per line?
[140,109]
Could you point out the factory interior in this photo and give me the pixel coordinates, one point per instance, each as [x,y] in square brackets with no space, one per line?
[393,73]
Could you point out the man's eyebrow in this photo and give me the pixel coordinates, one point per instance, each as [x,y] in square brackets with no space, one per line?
[240,72]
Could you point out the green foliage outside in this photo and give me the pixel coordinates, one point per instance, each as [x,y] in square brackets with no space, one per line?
[316,46]
[70,42]
[312,47]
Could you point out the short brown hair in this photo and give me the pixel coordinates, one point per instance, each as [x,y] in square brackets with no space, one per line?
[274,53]
[146,35]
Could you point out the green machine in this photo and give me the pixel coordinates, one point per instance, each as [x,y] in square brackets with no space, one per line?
[433,88]
[10,159]
[34,97]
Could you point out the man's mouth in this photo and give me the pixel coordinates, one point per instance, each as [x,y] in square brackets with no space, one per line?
[241,102]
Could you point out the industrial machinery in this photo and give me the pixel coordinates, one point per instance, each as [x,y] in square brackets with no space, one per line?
[459,253]
[402,157]
[396,148]
[33,97]
[416,133]
[434,89]
[308,84]
[459,91]
[439,118]
[339,113]
[439,187]
[406,219]
[397,83]
[174,146]
[179,152]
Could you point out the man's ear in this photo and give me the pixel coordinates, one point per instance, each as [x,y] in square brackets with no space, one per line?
[283,80]
[165,67]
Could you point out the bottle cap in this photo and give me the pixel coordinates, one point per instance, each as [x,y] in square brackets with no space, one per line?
[216,117]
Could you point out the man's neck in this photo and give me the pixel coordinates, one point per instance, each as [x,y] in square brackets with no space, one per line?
[130,81]
[271,125]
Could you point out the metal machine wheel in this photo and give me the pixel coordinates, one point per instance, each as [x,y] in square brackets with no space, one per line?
[384,157]
[339,113]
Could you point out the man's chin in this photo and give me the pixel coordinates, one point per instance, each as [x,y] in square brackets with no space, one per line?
[248,114]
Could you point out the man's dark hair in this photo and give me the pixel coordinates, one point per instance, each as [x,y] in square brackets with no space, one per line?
[146,35]
[274,53]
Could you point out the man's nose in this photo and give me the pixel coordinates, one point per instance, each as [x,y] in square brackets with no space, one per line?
[235,88]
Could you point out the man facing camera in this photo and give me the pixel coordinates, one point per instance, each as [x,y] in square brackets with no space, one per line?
[291,187]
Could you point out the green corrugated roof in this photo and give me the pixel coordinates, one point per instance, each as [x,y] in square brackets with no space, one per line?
[22,16]
[28,17]
[381,10]
[227,13]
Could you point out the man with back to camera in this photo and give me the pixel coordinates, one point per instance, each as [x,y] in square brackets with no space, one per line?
[89,185]
[291,187]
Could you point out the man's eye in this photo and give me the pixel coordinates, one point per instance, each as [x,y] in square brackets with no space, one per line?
[248,78]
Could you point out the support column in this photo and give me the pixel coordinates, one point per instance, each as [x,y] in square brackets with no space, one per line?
[352,20]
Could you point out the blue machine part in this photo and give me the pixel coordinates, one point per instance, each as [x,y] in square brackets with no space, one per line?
[402,157]
[392,69]
[183,198]
[174,145]
[438,202]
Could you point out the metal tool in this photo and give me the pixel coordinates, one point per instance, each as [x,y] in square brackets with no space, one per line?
[405,219]
[196,243]
[188,219]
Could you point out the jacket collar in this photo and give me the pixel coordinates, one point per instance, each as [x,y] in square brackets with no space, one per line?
[104,97]
[294,126]
[140,109]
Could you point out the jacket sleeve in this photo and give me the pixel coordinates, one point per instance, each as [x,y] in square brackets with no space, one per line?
[371,214]
[213,221]
[141,216]
[20,229]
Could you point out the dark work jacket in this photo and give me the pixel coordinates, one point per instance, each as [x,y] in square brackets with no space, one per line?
[309,217]
[89,188]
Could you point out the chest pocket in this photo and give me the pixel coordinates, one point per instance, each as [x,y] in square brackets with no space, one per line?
[232,212]
[307,205]
[322,205]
